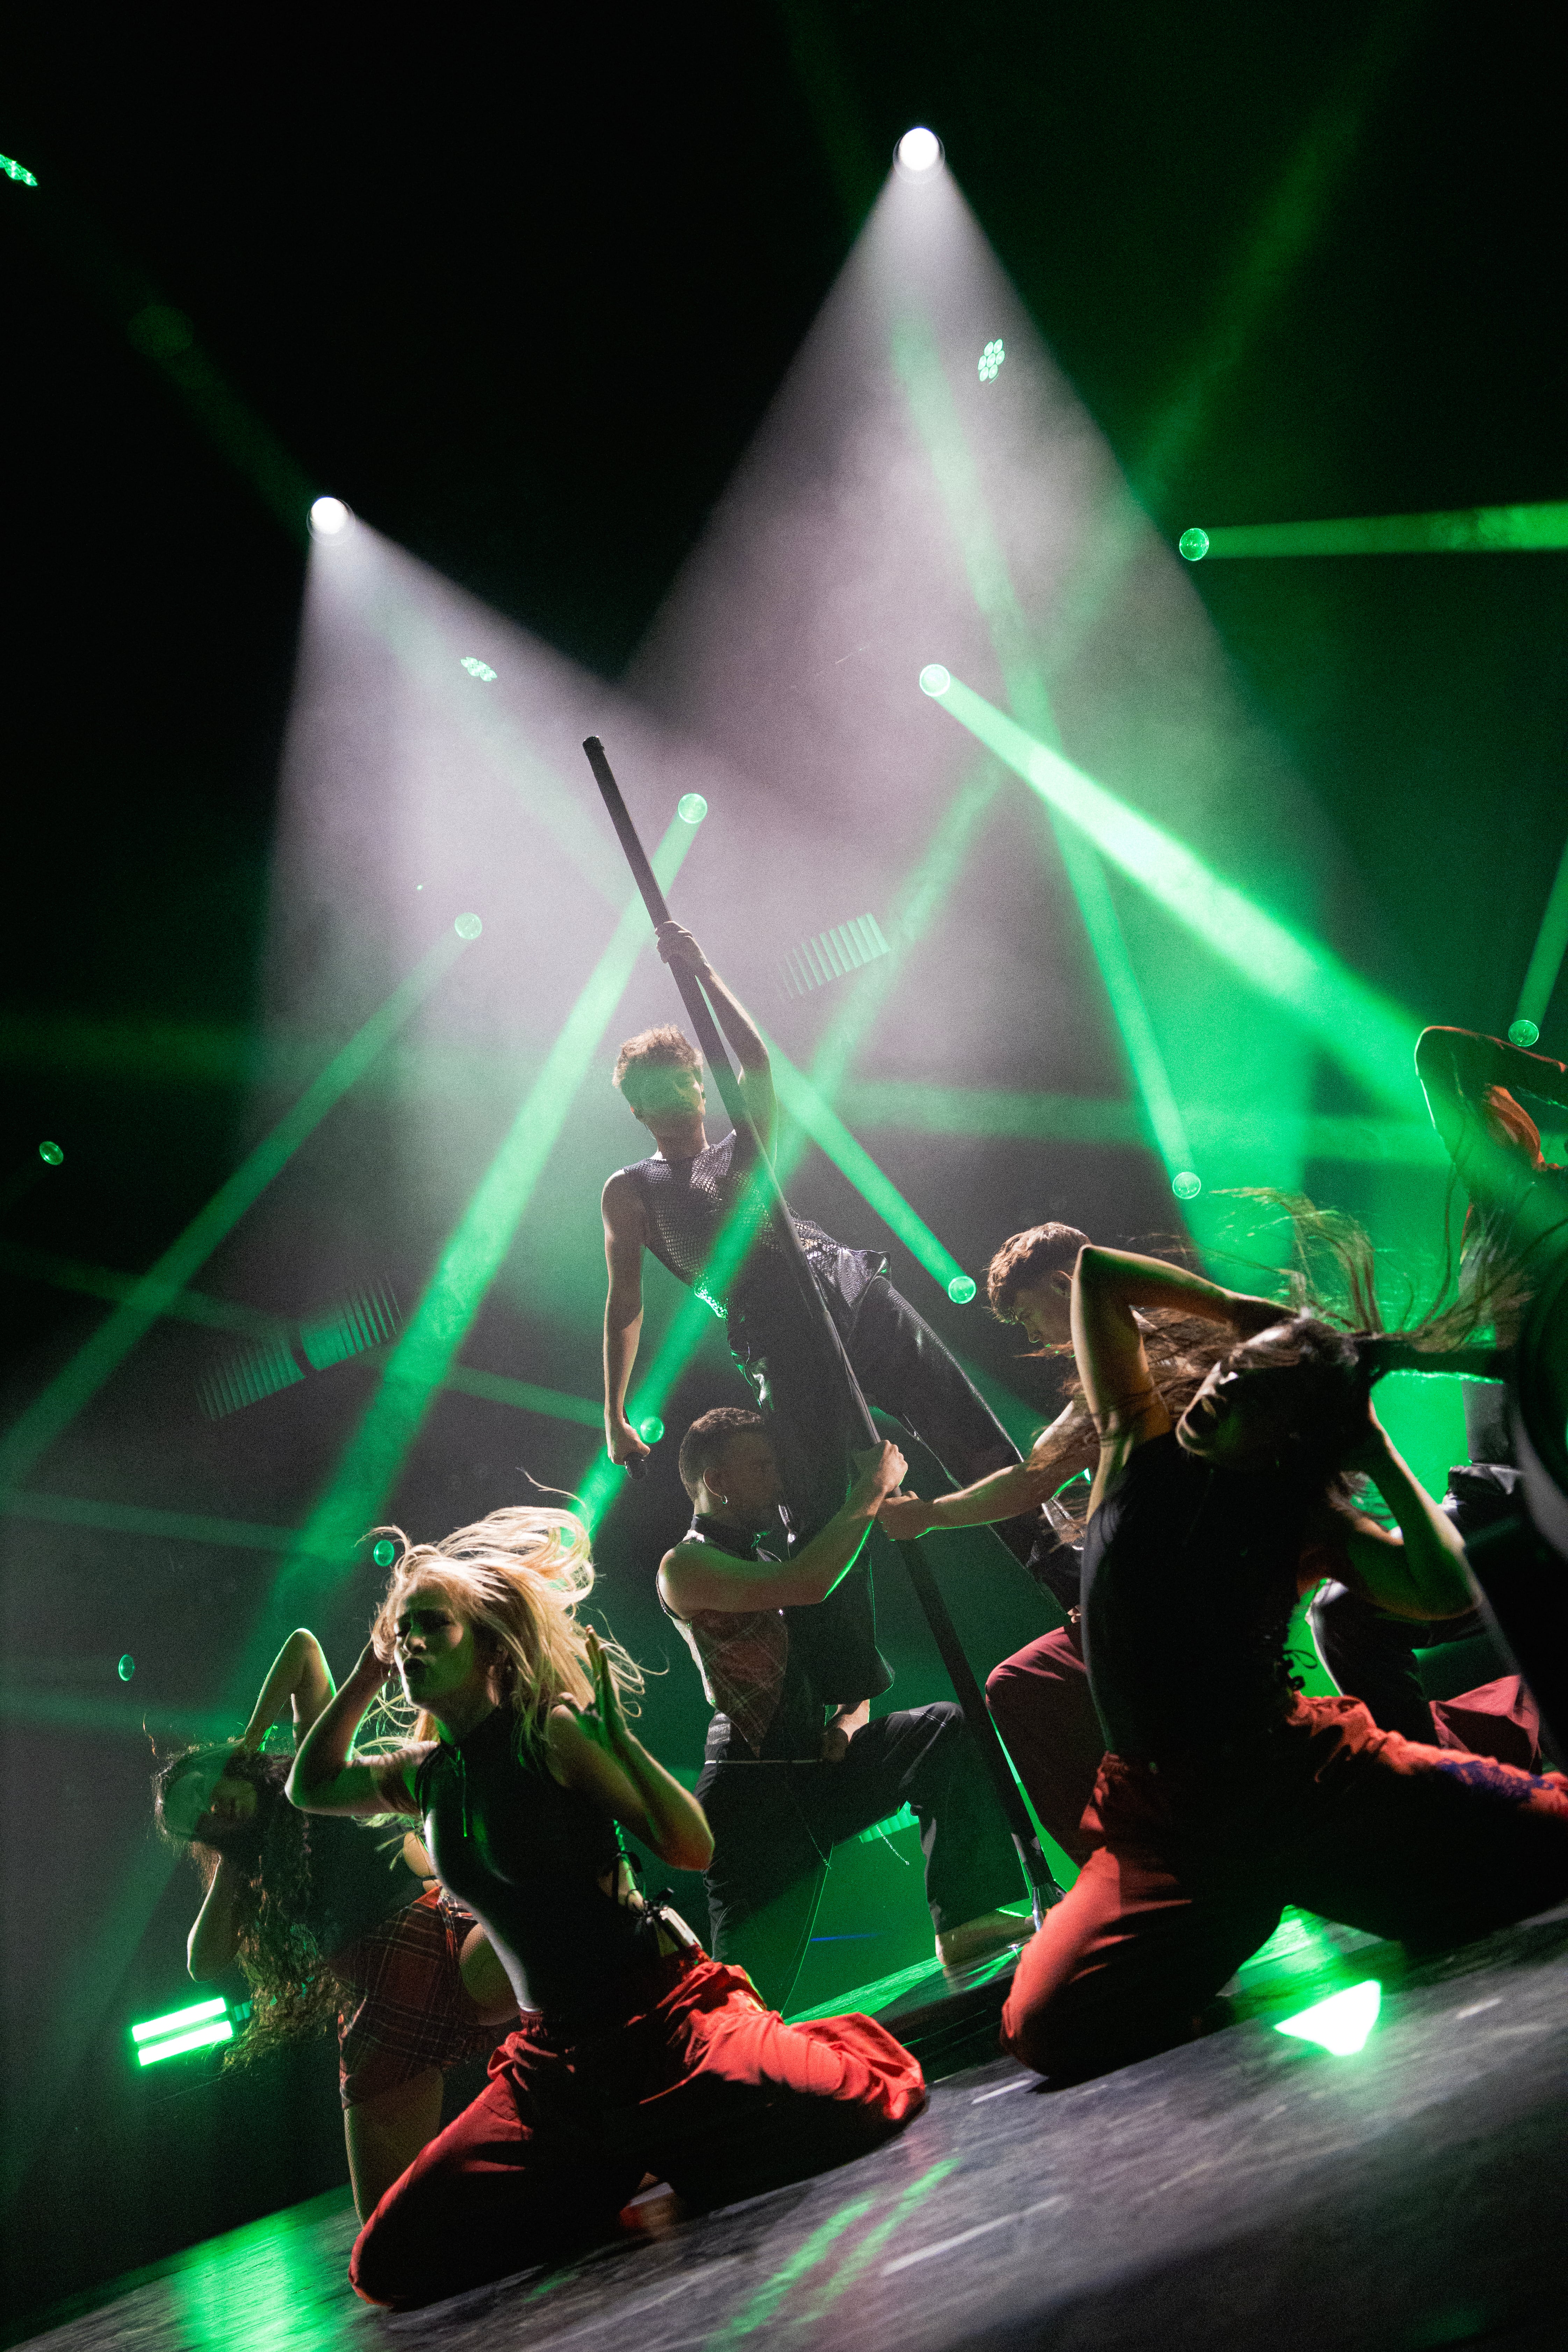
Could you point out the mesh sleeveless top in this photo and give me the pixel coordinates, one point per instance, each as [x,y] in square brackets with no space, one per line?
[685,1202]
[763,1701]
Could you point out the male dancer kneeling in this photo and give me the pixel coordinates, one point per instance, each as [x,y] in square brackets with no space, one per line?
[637,2052]
[779,1787]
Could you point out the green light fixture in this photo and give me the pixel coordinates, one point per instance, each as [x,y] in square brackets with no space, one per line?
[650,1429]
[1520,1032]
[934,679]
[991,360]
[126,1667]
[200,2027]
[467,927]
[384,1552]
[1193,544]
[960,1289]
[1186,1184]
[17,172]
[691,808]
[477,668]
[52,1154]
[1340,2024]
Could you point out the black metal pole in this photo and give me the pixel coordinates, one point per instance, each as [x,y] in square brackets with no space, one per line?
[1043,1887]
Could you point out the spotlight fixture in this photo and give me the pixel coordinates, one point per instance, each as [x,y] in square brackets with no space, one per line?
[1520,1032]
[126,1667]
[51,1154]
[960,1289]
[1193,544]
[918,151]
[691,808]
[1185,1184]
[991,360]
[329,519]
[650,1429]
[477,668]
[17,172]
[384,1552]
[934,679]
[467,927]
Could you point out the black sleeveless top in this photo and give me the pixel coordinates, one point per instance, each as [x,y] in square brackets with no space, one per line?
[526,1856]
[752,1674]
[1189,1580]
[685,1202]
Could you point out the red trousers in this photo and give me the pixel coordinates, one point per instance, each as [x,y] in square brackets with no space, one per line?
[705,2088]
[1192,1865]
[1039,1700]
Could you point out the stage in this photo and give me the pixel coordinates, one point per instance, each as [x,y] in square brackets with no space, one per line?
[1251,2188]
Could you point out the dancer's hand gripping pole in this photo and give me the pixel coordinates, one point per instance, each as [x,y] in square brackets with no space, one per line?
[1043,1888]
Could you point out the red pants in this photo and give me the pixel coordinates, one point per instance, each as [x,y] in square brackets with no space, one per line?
[1423,1845]
[705,2089]
[1040,1700]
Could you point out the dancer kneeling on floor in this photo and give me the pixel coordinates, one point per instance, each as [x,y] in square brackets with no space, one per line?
[787,1775]
[637,2053]
[332,1920]
[1225,1793]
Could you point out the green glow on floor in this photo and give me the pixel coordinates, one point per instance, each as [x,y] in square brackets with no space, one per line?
[862,2255]
[74,1387]
[1466,530]
[1340,2024]
[772,2293]
[1364,1032]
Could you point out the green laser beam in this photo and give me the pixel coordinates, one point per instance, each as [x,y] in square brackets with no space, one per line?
[1365,1033]
[1466,530]
[423,1358]
[1546,957]
[812,1111]
[73,1387]
[163,1527]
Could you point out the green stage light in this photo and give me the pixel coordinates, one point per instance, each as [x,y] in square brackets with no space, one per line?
[17,172]
[1546,959]
[934,679]
[126,1667]
[72,1389]
[156,2029]
[1193,544]
[1467,531]
[650,1429]
[991,360]
[477,668]
[960,1289]
[467,927]
[201,2037]
[384,1552]
[1369,1035]
[691,808]
[1340,2024]
[1186,1184]
[51,1153]
[422,1360]
[1523,1032]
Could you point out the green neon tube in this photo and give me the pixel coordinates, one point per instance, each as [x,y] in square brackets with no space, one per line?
[423,1358]
[152,2028]
[1365,1033]
[1469,531]
[203,2037]
[79,1381]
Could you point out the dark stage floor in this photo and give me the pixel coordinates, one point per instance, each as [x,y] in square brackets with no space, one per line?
[1251,2189]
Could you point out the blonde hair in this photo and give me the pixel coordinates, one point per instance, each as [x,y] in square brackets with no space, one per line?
[519,1578]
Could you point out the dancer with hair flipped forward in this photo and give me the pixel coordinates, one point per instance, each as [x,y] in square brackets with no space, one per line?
[1225,1793]
[676,1204]
[637,2052]
[781,1786]
[328,1924]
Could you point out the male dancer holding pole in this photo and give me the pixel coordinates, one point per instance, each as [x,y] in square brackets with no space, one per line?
[675,1204]
[781,1786]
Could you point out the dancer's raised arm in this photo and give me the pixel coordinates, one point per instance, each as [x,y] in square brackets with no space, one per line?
[741,1034]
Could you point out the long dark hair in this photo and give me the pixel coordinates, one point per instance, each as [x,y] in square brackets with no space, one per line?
[1331,1346]
[294,1993]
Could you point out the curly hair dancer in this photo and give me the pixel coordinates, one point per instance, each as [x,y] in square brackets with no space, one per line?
[637,2052]
[329,1927]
